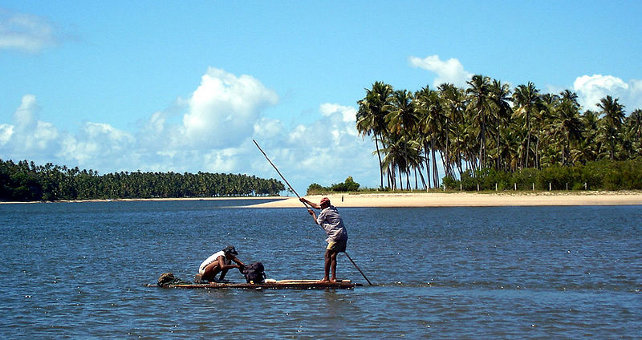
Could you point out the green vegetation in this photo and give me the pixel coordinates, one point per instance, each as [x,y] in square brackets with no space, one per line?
[487,133]
[600,175]
[26,181]
[348,185]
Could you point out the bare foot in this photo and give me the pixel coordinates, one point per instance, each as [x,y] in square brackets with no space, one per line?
[325,280]
[333,280]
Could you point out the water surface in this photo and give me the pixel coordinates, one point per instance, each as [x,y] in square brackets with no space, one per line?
[80,269]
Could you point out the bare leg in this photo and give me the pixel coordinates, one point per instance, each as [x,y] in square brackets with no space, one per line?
[333,266]
[210,272]
[326,267]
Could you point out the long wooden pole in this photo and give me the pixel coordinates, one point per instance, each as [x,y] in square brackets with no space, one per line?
[359,269]
[306,205]
[279,172]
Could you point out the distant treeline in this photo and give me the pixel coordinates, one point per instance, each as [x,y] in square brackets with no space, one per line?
[348,185]
[26,181]
[599,175]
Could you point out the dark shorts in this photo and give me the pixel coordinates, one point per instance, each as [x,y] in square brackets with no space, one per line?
[337,246]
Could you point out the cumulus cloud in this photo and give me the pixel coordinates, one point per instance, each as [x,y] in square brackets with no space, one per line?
[212,130]
[265,128]
[224,108]
[6,131]
[448,71]
[591,89]
[97,141]
[26,112]
[29,135]
[348,113]
[329,150]
[25,32]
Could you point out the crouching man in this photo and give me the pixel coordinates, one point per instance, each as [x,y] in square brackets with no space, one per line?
[219,262]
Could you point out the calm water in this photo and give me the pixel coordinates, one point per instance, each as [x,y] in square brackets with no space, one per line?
[80,269]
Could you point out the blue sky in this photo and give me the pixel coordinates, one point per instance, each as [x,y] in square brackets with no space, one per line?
[186,86]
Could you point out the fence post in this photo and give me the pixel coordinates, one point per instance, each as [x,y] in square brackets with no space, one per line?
[495,186]
[550,186]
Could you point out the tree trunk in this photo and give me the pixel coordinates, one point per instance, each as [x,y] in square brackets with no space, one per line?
[380,163]
[427,152]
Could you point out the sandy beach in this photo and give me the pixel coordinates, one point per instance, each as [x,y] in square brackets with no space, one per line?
[432,199]
[392,200]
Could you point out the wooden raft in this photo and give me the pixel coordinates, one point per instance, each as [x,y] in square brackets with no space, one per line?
[270,284]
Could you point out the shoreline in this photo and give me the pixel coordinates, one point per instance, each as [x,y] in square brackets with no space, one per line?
[466,199]
[232,198]
[425,199]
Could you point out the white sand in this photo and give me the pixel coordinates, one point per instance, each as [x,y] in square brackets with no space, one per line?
[467,199]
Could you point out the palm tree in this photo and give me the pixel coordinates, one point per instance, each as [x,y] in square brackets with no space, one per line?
[590,145]
[613,117]
[401,117]
[454,104]
[500,97]
[431,128]
[634,130]
[567,124]
[527,105]
[399,154]
[401,122]
[373,109]
[479,109]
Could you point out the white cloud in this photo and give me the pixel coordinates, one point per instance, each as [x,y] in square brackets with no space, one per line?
[225,160]
[449,71]
[98,143]
[25,115]
[329,150]
[348,113]
[43,135]
[6,131]
[224,109]
[267,128]
[28,135]
[25,32]
[591,89]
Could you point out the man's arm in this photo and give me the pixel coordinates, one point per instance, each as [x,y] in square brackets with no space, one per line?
[241,265]
[314,216]
[223,266]
[312,204]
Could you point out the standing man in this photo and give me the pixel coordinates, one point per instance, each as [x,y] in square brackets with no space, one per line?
[330,220]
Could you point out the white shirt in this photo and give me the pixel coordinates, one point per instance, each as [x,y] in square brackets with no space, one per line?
[209,260]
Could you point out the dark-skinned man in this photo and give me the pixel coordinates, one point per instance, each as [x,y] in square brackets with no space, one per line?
[330,220]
